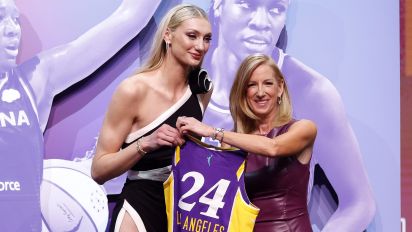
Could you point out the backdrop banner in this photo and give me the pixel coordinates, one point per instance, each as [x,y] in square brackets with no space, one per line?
[340,61]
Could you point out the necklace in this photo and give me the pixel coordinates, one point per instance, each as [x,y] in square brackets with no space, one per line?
[266,133]
[263,134]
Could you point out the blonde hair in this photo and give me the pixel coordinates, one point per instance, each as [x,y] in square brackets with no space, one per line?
[243,117]
[171,20]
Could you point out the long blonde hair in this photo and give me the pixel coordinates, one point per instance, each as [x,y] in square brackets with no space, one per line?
[171,20]
[243,117]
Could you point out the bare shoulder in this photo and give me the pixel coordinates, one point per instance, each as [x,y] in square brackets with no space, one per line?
[134,87]
[305,126]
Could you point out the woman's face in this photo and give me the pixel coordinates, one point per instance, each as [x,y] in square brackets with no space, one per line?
[251,26]
[190,41]
[262,92]
[10,33]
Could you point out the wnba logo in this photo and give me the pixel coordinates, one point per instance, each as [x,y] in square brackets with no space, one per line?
[9,186]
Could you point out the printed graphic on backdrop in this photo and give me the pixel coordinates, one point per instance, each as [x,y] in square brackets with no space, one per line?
[349,126]
[70,199]
[340,76]
[250,27]
[27,91]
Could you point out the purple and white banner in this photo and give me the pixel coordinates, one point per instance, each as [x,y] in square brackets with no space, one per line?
[62,60]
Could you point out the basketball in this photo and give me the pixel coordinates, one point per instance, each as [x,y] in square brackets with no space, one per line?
[70,199]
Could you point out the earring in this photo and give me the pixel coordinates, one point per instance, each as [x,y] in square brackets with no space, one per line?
[279,100]
[167,46]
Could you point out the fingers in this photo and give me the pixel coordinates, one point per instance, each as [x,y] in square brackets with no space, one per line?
[170,139]
[182,124]
[168,136]
[192,125]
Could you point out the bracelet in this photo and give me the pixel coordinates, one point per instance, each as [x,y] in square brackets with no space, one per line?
[216,132]
[139,147]
[223,135]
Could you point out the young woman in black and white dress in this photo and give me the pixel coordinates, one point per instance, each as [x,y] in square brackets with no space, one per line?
[138,134]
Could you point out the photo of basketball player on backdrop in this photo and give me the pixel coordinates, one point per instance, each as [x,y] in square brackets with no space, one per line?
[27,92]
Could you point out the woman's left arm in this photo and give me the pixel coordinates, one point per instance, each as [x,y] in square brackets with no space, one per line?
[301,135]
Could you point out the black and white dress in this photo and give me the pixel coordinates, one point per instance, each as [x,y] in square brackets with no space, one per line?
[142,196]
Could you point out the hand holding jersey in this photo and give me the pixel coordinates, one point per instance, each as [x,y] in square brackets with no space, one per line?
[165,135]
[189,124]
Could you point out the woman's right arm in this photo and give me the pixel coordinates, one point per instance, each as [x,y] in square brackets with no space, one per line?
[110,161]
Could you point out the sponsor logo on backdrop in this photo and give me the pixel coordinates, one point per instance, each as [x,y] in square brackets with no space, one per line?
[14,118]
[10,95]
[9,186]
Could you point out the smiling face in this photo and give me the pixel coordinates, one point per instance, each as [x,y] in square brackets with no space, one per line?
[190,41]
[10,34]
[263,90]
[251,26]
